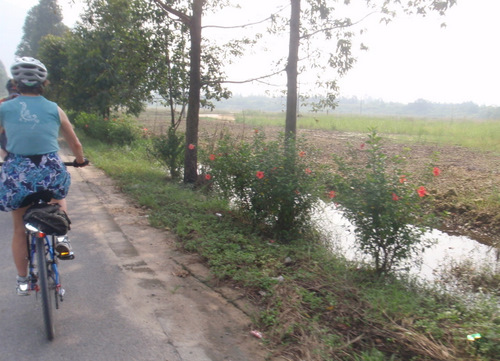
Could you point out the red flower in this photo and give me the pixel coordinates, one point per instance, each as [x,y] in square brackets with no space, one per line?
[308,171]
[259,174]
[212,157]
[436,171]
[255,130]
[191,146]
[362,146]
[331,194]
[302,154]
[395,197]
[208,176]
[422,192]
[402,179]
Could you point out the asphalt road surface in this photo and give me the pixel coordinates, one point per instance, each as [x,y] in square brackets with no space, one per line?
[129,294]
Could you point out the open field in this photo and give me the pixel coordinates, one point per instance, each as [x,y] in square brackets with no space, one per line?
[468,154]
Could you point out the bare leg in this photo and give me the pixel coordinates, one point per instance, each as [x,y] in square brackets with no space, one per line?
[19,247]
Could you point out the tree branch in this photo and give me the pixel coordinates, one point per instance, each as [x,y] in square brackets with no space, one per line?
[246,81]
[239,26]
[337,26]
[183,17]
[270,17]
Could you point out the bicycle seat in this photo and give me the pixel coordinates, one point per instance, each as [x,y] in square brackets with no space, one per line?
[35,198]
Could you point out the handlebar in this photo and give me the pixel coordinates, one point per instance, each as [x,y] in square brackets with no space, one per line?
[78,165]
[71,164]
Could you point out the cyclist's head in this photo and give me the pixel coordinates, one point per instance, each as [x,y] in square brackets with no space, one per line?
[11,86]
[28,72]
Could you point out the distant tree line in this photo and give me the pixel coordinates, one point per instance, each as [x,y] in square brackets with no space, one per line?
[419,109]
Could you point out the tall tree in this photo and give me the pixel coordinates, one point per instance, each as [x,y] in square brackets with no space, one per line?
[108,57]
[190,14]
[42,19]
[317,19]
[292,70]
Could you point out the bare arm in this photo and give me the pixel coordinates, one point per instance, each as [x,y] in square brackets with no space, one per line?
[71,137]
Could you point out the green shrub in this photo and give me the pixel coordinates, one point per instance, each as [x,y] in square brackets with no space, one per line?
[92,125]
[386,209]
[168,149]
[123,130]
[275,190]
[120,130]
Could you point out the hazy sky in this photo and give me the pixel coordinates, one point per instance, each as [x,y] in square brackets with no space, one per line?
[412,58]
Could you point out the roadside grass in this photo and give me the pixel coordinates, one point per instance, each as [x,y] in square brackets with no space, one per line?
[478,134]
[314,305]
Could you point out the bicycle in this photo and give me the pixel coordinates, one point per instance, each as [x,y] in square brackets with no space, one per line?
[43,271]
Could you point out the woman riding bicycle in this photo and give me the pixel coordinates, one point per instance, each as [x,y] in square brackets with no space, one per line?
[32,125]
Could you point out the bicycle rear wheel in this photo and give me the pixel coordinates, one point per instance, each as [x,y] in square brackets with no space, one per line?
[47,288]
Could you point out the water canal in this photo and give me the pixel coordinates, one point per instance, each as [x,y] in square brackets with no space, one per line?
[447,249]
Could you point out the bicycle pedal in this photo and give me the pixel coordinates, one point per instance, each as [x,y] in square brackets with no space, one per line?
[66,256]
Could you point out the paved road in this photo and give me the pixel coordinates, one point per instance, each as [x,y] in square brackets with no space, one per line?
[128,296]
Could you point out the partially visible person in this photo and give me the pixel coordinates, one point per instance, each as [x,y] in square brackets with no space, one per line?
[12,90]
[32,124]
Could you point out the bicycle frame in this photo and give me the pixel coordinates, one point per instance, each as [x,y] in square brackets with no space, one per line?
[49,244]
[44,274]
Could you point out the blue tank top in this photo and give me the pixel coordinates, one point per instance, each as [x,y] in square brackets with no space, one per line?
[31,125]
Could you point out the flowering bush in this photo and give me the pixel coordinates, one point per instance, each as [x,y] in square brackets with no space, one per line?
[385,208]
[120,130]
[123,130]
[92,125]
[275,189]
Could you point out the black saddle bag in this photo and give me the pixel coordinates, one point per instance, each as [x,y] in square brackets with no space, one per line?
[48,218]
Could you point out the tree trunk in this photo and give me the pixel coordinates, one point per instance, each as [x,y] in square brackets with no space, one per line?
[286,214]
[292,72]
[192,118]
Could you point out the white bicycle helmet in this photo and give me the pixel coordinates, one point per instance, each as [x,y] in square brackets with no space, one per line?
[29,71]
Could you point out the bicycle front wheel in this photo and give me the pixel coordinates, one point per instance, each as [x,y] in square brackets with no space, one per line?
[46,285]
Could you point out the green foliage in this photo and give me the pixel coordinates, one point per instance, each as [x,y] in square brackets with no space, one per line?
[43,19]
[386,209]
[275,189]
[105,62]
[120,130]
[373,355]
[168,149]
[53,53]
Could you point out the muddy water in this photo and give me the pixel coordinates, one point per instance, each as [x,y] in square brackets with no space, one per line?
[447,249]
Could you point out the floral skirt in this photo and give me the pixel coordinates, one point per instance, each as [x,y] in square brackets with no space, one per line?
[22,176]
